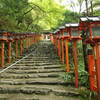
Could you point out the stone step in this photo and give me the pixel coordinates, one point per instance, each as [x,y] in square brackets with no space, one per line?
[25,61]
[48,79]
[37,57]
[20,96]
[25,65]
[43,90]
[34,67]
[34,71]
[34,64]
[40,63]
[33,82]
[20,76]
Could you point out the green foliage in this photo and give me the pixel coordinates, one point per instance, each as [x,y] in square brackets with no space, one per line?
[81,65]
[80,56]
[96,8]
[71,17]
[33,15]
[68,77]
[83,78]
[29,15]
[87,94]
[83,75]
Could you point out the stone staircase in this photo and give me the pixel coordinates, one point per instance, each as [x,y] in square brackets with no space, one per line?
[36,77]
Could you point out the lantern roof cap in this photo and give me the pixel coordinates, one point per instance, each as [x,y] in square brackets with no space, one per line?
[2,31]
[90,18]
[67,25]
[74,24]
[61,27]
[56,31]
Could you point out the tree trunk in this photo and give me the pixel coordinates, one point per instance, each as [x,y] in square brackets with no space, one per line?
[87,12]
[91,8]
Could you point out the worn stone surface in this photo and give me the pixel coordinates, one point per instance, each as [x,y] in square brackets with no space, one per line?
[36,77]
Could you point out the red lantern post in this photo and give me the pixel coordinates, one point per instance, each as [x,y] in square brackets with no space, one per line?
[75,36]
[91,25]
[62,43]
[66,38]
[3,38]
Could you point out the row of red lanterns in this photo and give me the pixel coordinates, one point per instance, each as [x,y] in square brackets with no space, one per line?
[73,32]
[10,36]
[91,25]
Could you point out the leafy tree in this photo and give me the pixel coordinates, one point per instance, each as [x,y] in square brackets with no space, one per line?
[29,15]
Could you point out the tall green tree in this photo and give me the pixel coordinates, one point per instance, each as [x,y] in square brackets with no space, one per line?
[29,15]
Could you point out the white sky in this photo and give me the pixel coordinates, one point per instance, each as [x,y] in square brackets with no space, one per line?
[67,4]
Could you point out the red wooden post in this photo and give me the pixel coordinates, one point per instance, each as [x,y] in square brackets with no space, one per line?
[62,52]
[75,63]
[27,44]
[59,51]
[33,39]
[2,53]
[16,48]
[21,47]
[58,46]
[53,39]
[91,65]
[9,52]
[67,57]
[98,68]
